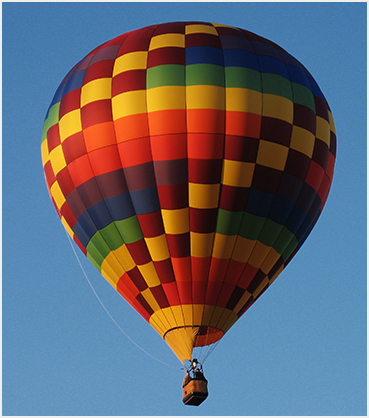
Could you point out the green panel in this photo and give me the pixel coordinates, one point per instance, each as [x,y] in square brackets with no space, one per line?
[283,241]
[165,75]
[97,250]
[241,77]
[302,95]
[276,84]
[270,232]
[228,222]
[251,226]
[112,236]
[205,74]
[290,248]
[129,229]
[52,119]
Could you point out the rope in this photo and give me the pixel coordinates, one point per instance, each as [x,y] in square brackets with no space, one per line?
[106,310]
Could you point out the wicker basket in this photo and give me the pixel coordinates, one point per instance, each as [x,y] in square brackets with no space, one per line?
[195,392]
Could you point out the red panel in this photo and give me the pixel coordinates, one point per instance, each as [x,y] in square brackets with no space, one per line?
[315,175]
[173,196]
[129,81]
[131,127]
[171,121]
[200,268]
[139,252]
[248,274]
[243,124]
[71,101]
[160,296]
[218,269]
[185,292]
[151,224]
[165,271]
[99,136]
[205,120]
[53,137]
[205,146]
[96,112]
[49,174]
[74,147]
[234,271]
[165,56]
[225,294]
[171,292]
[179,245]
[135,152]
[80,170]
[182,269]
[101,69]
[169,147]
[212,292]
[104,160]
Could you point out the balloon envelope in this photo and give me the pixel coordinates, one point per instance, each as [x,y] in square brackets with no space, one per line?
[189,161]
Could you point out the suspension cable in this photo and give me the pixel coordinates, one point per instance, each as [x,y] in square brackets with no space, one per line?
[106,310]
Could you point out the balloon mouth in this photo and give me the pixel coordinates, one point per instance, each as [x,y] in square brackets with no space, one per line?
[207,335]
[182,340]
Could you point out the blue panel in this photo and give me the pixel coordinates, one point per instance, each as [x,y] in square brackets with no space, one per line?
[305,227]
[235,42]
[57,97]
[259,203]
[280,210]
[120,207]
[315,88]
[272,65]
[297,76]
[145,201]
[84,228]
[74,82]
[295,219]
[204,55]
[238,58]
[100,215]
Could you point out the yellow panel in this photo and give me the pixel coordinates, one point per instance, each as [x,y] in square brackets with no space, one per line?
[181,341]
[70,124]
[168,39]
[237,173]
[331,122]
[187,312]
[131,61]
[158,247]
[245,297]
[57,159]
[226,320]
[44,152]
[201,244]
[150,299]
[57,194]
[260,288]
[302,141]
[67,227]
[259,254]
[167,97]
[323,131]
[156,322]
[272,155]
[200,29]
[112,270]
[198,311]
[176,221]
[203,196]
[205,97]
[243,100]
[270,261]
[207,314]
[149,273]
[242,249]
[279,271]
[223,246]
[123,256]
[98,89]
[129,103]
[277,107]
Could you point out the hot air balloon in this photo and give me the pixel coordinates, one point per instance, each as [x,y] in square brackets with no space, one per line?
[189,161]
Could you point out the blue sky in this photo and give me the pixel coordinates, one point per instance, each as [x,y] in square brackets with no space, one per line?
[300,350]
